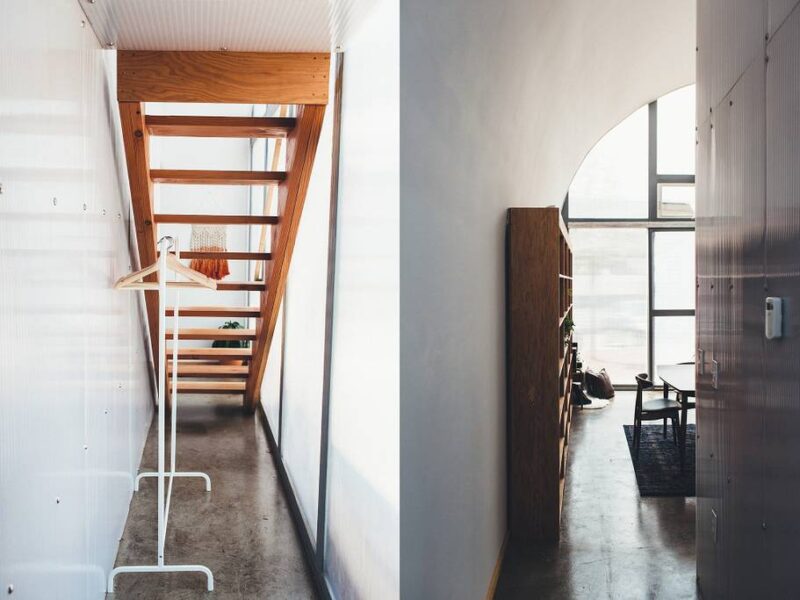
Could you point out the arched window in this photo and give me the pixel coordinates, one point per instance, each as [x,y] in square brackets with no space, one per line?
[630,210]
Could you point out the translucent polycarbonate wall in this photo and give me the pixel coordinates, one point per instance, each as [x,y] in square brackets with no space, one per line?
[358,486]
[304,339]
[75,397]
[271,384]
[362,543]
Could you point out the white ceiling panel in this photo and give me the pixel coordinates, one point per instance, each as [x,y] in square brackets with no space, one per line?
[237,25]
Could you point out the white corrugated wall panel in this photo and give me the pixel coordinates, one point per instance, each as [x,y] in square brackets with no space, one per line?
[738,26]
[778,11]
[75,399]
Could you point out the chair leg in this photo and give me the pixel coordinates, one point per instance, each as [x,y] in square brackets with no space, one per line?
[637,438]
[675,430]
[665,427]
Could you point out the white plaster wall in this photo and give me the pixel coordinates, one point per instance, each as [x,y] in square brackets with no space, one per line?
[500,102]
[75,396]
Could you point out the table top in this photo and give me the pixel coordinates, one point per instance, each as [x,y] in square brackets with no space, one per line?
[678,377]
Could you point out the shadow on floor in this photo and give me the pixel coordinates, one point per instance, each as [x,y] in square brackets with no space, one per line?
[614,544]
[242,530]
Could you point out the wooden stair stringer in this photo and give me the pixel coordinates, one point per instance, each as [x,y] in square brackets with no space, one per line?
[301,148]
[137,157]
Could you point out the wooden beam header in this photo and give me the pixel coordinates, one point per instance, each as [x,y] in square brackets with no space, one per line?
[222,77]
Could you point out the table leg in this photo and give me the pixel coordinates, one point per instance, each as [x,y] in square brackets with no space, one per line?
[684,417]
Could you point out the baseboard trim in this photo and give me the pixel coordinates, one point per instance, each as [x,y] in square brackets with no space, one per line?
[497,568]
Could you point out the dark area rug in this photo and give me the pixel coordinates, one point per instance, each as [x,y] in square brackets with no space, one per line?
[658,470]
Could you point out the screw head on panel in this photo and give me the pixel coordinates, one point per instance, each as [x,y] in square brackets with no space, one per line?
[58,500]
[84,206]
[85,447]
[10,588]
[111,44]
[83,23]
[764,525]
[55,200]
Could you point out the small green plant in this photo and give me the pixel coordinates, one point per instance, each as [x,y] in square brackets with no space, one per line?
[231,343]
[569,325]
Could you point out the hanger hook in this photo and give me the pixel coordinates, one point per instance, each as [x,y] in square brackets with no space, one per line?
[169,239]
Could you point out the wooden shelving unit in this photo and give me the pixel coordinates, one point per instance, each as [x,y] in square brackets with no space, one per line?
[540,369]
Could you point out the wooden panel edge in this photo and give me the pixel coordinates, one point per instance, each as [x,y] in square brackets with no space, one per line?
[498,566]
[136,141]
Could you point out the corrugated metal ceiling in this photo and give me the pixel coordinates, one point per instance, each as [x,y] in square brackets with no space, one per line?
[236,25]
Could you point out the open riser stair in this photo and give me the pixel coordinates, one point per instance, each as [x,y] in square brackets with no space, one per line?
[299,80]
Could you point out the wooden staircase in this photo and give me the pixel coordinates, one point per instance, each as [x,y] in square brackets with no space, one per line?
[223,77]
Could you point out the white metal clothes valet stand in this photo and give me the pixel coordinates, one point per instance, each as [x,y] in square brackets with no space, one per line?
[135,281]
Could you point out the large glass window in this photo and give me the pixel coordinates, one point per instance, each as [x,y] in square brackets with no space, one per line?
[676,132]
[612,181]
[610,299]
[673,270]
[673,340]
[630,208]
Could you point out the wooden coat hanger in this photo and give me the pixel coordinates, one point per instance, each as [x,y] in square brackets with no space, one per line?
[135,280]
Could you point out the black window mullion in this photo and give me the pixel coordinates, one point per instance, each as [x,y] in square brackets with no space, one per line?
[652,161]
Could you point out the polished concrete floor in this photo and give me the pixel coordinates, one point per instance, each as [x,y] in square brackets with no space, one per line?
[242,530]
[614,544]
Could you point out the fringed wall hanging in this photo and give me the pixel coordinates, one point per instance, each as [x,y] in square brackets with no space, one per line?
[209,238]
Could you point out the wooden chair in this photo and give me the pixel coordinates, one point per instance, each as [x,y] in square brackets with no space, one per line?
[653,410]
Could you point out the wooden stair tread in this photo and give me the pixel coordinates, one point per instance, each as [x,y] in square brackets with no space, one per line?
[215,311]
[212,353]
[217,219]
[226,286]
[227,255]
[209,370]
[212,387]
[209,333]
[239,127]
[205,177]
[232,286]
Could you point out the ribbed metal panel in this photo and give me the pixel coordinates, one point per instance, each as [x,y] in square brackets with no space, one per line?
[781,459]
[238,25]
[778,11]
[738,27]
[730,327]
[748,236]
